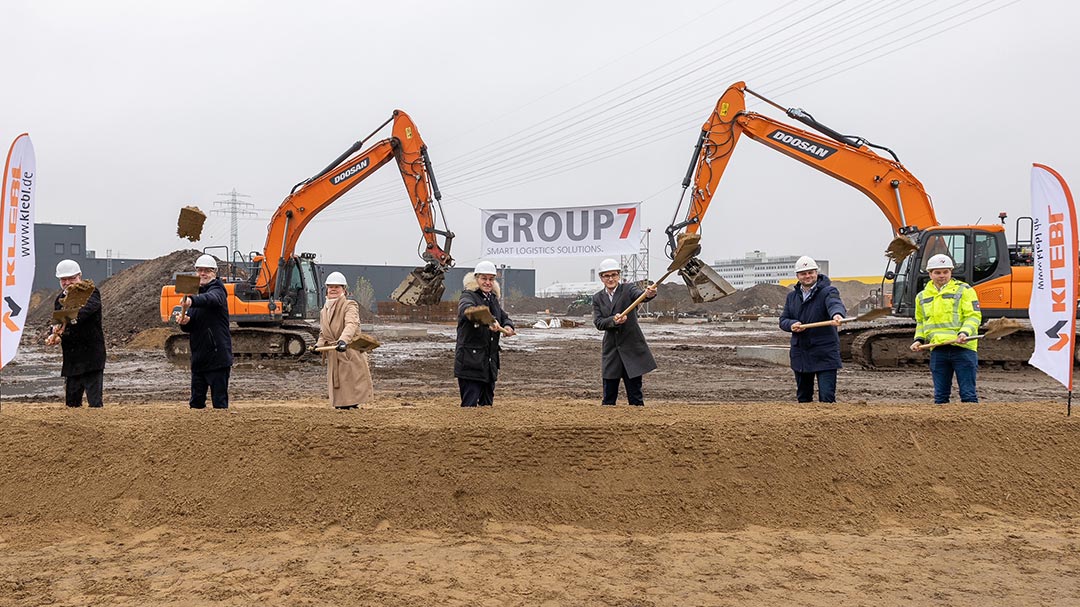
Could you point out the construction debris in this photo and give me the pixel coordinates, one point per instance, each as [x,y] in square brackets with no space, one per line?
[190,223]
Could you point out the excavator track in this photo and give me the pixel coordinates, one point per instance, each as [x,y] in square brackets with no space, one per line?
[288,342]
[889,348]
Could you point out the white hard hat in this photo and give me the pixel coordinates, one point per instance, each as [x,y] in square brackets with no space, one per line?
[805,263]
[206,261]
[336,278]
[609,265]
[67,267]
[940,261]
[484,267]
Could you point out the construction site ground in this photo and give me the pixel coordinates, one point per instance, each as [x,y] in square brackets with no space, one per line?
[721,491]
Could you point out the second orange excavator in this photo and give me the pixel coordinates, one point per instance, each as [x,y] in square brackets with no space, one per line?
[271,307]
[1000,272]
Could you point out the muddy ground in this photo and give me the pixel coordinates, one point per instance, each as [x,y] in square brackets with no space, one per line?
[719,492]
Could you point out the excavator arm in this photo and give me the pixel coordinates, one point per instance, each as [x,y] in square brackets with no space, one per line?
[315,194]
[894,190]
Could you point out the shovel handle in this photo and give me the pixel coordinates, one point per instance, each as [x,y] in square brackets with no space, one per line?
[823,323]
[641,298]
[951,342]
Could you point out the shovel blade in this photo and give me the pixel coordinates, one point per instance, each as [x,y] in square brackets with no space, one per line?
[63,316]
[703,281]
[187,284]
[364,343]
[480,314]
[421,287]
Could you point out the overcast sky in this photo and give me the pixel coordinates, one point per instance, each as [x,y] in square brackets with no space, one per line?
[139,108]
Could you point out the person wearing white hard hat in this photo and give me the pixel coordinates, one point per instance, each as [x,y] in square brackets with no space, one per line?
[815,352]
[476,353]
[348,376]
[82,341]
[947,311]
[624,355]
[207,325]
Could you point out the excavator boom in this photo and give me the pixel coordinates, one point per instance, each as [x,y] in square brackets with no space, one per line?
[894,190]
[309,198]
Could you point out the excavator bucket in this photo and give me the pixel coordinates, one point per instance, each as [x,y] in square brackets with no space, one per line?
[422,287]
[703,281]
[899,248]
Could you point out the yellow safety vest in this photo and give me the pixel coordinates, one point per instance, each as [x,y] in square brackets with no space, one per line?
[942,314]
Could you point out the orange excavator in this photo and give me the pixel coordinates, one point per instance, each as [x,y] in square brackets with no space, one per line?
[271,307]
[1001,273]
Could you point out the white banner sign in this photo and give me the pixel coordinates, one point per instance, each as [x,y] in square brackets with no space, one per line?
[17,245]
[1053,288]
[603,231]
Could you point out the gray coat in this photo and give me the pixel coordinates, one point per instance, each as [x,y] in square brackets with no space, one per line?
[624,345]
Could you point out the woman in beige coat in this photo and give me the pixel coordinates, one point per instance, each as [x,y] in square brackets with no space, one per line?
[348,377]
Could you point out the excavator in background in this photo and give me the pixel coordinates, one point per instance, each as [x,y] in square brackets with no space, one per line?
[1001,273]
[273,305]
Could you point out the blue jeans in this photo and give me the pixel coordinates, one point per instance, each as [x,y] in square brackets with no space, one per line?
[946,360]
[826,385]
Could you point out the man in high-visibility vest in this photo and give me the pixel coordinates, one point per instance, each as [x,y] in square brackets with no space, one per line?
[947,312]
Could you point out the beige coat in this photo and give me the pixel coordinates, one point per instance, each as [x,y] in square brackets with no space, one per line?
[348,376]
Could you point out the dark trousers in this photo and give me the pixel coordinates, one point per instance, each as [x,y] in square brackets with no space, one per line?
[218,382]
[826,383]
[475,393]
[946,360]
[76,385]
[633,390]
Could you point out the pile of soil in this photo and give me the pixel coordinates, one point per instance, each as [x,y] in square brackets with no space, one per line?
[130,299]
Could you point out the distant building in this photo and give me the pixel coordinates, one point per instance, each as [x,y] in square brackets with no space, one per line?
[757,268]
[53,242]
[569,289]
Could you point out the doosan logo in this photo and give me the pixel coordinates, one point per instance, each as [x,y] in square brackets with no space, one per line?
[809,148]
[349,172]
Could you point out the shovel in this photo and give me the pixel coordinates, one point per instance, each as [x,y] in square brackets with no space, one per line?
[75,297]
[874,314]
[482,315]
[995,329]
[190,223]
[689,245]
[186,284]
[362,343]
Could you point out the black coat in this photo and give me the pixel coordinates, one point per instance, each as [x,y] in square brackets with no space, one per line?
[211,342]
[624,345]
[83,340]
[476,355]
[817,349]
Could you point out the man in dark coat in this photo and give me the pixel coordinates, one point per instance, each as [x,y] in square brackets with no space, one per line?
[625,355]
[476,356]
[207,323]
[82,341]
[815,352]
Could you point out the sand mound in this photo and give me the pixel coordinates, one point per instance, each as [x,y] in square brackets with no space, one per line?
[130,299]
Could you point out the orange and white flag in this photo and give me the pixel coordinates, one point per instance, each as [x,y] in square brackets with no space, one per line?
[17,246]
[1053,285]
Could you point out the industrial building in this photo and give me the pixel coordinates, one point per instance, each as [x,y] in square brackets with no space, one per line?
[757,268]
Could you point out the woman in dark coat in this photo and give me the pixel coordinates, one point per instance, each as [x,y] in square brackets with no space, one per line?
[476,357]
[814,352]
[625,355]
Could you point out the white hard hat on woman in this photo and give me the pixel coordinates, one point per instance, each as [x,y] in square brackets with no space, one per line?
[336,278]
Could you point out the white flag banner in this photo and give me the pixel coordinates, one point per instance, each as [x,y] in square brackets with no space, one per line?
[597,231]
[17,245]
[1053,286]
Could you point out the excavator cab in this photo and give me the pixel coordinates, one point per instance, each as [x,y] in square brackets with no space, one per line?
[301,292]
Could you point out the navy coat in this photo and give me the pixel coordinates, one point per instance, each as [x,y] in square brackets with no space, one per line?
[624,345]
[476,355]
[83,340]
[211,342]
[817,349]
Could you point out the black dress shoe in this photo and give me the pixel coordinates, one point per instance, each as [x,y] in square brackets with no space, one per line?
[346,407]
